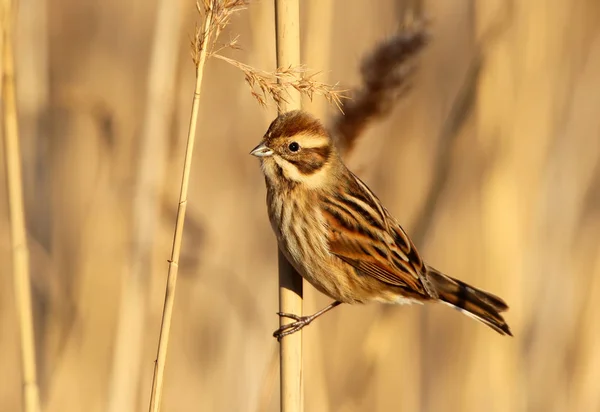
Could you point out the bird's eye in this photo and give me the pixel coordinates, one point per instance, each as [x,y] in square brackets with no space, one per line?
[294,147]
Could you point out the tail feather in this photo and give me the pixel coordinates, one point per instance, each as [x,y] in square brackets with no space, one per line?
[476,303]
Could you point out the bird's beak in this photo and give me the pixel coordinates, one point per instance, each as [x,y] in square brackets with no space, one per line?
[262,150]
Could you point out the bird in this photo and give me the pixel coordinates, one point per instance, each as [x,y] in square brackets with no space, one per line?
[339,237]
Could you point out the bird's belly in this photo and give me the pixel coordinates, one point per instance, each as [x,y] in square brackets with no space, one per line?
[338,280]
[331,281]
[313,267]
[320,268]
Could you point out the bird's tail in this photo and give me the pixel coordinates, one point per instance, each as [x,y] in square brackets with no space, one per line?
[473,302]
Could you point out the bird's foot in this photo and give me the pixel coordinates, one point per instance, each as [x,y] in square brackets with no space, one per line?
[300,322]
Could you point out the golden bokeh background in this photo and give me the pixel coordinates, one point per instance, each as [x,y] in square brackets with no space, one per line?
[492,163]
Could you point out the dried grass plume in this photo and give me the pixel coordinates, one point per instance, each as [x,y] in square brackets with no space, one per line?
[264,85]
[386,74]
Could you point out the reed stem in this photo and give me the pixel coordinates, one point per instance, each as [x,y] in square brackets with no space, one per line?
[18,232]
[165,327]
[287,20]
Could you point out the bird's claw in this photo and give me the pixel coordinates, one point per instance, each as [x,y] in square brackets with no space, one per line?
[284,330]
[290,316]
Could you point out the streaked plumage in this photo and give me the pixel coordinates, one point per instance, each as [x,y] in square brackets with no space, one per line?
[340,238]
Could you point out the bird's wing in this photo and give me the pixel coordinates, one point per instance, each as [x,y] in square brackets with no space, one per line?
[364,235]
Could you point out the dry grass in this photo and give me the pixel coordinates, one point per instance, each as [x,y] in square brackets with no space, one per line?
[18,229]
[216,15]
[278,85]
[517,214]
[291,291]
[385,77]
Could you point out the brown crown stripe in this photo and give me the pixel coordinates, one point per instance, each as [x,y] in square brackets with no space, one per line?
[296,122]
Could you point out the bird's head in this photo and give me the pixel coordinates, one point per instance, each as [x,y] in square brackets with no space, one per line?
[297,148]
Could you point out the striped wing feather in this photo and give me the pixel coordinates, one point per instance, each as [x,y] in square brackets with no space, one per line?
[364,235]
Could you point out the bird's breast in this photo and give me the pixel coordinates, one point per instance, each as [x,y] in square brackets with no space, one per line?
[299,225]
[302,234]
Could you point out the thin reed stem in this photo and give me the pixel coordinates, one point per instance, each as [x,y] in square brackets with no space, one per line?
[165,327]
[287,21]
[285,86]
[20,251]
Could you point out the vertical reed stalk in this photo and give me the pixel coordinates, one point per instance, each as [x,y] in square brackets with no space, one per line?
[165,327]
[287,27]
[20,252]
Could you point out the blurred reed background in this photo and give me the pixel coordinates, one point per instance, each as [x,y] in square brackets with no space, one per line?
[492,162]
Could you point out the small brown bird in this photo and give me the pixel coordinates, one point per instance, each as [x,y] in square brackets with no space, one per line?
[340,238]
